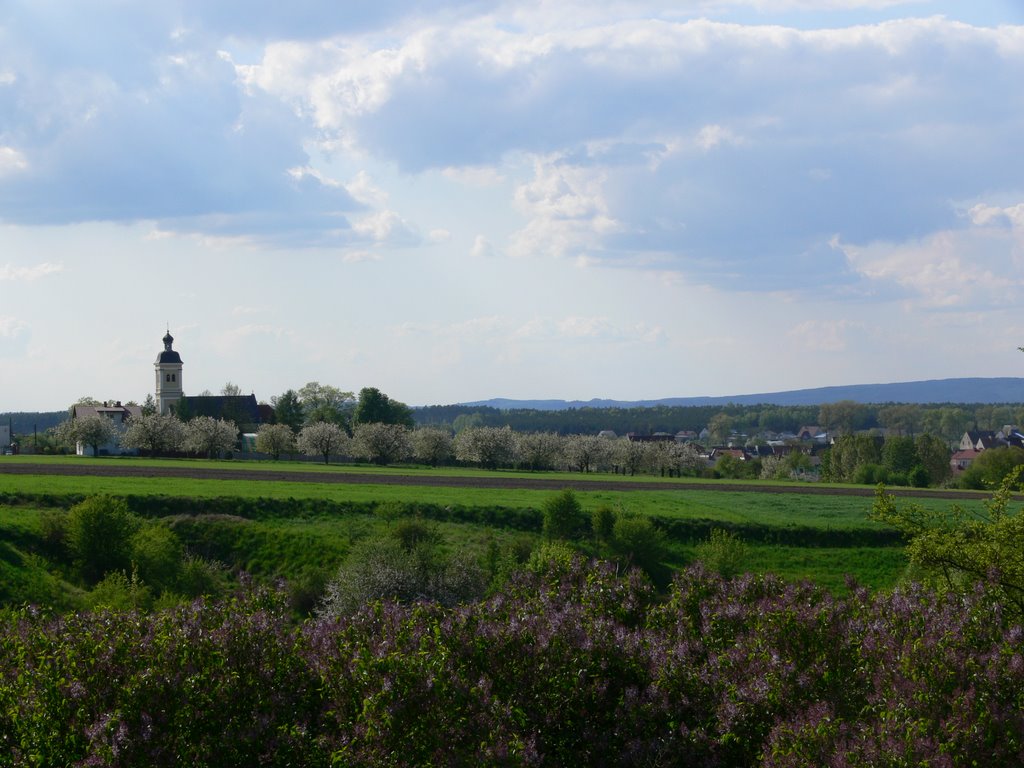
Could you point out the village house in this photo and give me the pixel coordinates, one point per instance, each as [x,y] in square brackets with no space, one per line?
[117,413]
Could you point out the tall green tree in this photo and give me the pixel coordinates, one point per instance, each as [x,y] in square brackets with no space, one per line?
[842,417]
[374,407]
[326,403]
[899,454]
[288,409]
[934,455]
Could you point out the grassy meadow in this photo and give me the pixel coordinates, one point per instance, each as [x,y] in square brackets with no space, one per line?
[307,546]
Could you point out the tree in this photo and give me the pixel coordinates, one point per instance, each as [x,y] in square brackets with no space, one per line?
[374,407]
[99,535]
[388,569]
[899,454]
[720,427]
[842,417]
[231,390]
[632,455]
[157,554]
[92,430]
[288,410]
[731,467]
[686,459]
[723,552]
[322,402]
[275,439]
[153,433]
[322,438]
[563,516]
[602,522]
[586,452]
[467,420]
[489,447]
[903,419]
[538,450]
[848,454]
[991,466]
[956,551]
[934,455]
[432,445]
[209,436]
[149,405]
[639,543]
[381,443]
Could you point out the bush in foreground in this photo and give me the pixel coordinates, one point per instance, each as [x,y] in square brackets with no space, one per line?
[572,664]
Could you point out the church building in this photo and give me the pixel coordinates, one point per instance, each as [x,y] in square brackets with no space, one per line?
[168,377]
[243,410]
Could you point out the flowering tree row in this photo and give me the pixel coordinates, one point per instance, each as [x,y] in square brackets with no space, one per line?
[569,664]
[153,434]
[486,447]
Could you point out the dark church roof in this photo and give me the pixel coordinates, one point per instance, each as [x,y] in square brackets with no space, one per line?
[241,409]
[168,355]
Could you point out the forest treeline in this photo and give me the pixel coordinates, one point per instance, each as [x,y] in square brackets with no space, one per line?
[948,420]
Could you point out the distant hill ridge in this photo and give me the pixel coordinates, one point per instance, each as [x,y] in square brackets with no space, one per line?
[968,390]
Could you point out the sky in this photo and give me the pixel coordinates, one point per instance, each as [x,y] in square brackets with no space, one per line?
[458,200]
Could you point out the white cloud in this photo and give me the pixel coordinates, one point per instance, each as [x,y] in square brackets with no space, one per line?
[477,176]
[566,210]
[12,161]
[11,327]
[711,136]
[358,256]
[365,191]
[482,248]
[952,268]
[11,272]
[384,227]
[14,337]
[821,335]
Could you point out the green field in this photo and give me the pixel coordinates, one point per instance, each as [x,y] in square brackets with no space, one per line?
[308,546]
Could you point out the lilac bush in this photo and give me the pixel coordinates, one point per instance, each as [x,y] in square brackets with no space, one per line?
[575,664]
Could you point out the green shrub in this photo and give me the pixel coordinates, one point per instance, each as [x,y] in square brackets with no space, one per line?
[723,552]
[156,553]
[636,540]
[919,477]
[118,592]
[200,577]
[563,516]
[100,531]
[602,521]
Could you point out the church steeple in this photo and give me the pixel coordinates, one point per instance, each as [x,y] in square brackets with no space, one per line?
[168,376]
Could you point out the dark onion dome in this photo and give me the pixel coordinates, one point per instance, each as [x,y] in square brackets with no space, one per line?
[168,355]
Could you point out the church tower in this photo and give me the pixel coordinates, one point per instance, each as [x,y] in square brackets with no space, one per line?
[168,377]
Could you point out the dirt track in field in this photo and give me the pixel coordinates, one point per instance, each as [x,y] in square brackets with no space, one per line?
[495,481]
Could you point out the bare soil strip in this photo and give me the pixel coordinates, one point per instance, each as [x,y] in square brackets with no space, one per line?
[497,481]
